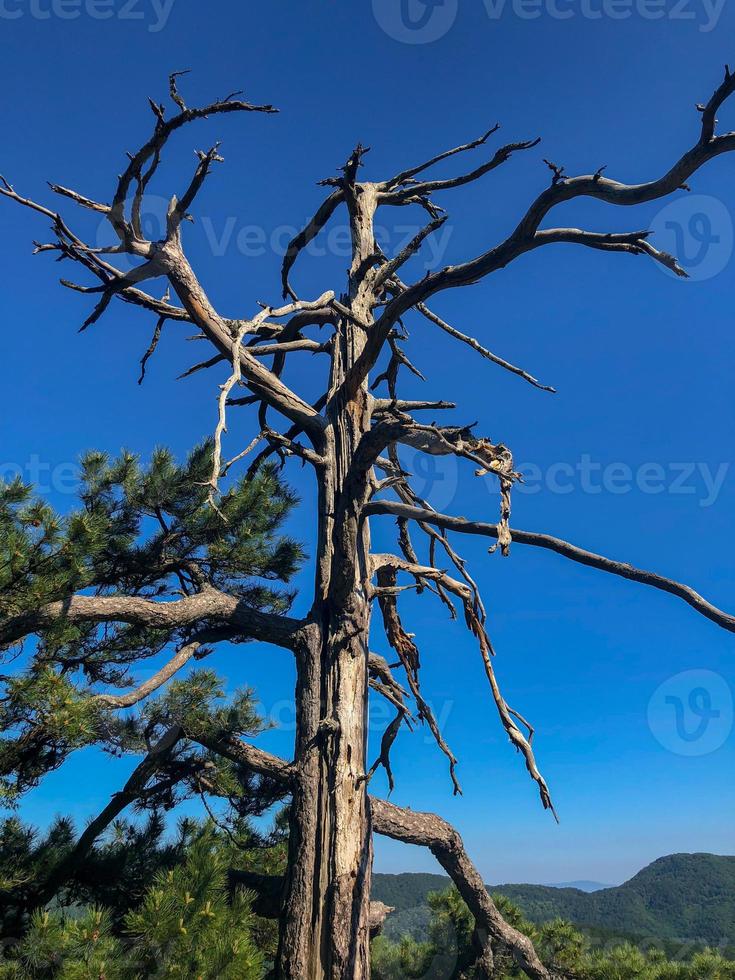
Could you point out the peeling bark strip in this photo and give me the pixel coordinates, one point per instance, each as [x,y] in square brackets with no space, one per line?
[325,912]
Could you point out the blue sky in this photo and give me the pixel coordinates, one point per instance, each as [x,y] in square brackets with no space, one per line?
[632,457]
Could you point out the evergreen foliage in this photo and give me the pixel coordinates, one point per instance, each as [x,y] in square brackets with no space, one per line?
[143,531]
[139,531]
[187,925]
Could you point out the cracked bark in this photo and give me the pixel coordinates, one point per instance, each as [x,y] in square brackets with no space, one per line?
[326,914]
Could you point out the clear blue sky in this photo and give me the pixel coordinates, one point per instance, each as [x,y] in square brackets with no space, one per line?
[643,364]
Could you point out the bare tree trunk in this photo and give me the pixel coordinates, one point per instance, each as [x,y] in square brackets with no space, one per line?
[326,927]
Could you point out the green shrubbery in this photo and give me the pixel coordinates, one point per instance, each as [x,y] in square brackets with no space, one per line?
[448,952]
[187,925]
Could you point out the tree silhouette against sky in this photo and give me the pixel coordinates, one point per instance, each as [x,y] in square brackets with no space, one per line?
[350,438]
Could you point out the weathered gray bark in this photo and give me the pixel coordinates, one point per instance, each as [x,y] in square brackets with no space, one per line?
[326,916]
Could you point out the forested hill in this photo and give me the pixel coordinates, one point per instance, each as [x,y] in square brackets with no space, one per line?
[683,896]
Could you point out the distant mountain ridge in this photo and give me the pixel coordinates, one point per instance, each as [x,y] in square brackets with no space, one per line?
[583,886]
[684,897]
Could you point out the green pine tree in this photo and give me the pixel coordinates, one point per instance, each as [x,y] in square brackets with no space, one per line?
[140,532]
[188,924]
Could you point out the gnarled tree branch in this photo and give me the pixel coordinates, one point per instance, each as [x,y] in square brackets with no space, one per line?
[428,830]
[209,605]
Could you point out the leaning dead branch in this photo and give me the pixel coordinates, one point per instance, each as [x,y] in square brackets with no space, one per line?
[474,344]
[564,548]
[428,830]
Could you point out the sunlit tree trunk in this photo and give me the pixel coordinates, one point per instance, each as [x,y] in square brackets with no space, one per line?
[325,932]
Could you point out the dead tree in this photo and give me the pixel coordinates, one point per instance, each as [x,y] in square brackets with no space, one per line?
[350,440]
